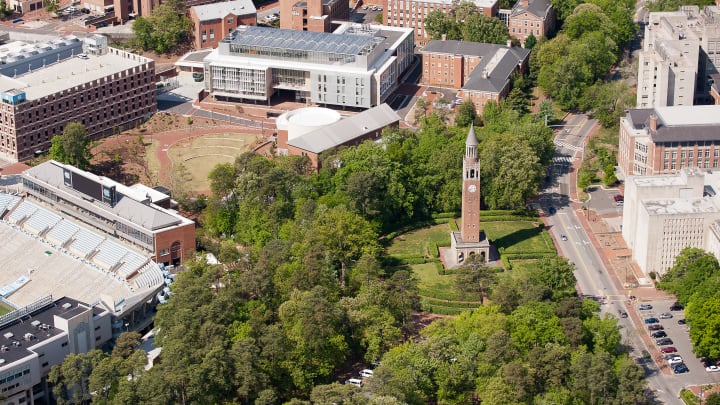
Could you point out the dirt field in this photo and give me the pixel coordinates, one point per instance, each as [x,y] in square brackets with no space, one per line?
[149,154]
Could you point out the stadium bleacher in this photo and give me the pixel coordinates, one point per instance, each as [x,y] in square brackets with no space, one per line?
[86,242]
[40,220]
[93,249]
[25,209]
[7,202]
[62,232]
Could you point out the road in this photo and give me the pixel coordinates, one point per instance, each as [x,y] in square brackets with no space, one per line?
[590,272]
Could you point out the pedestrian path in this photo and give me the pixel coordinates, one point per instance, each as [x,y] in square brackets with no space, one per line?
[567,145]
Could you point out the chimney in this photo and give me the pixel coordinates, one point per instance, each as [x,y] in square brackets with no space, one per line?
[485,74]
[653,121]
[509,41]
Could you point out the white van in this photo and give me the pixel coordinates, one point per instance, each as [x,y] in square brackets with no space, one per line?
[354,381]
[366,373]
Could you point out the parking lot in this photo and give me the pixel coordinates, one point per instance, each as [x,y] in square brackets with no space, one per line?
[679,334]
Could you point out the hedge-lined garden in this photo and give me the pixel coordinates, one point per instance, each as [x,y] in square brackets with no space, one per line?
[516,235]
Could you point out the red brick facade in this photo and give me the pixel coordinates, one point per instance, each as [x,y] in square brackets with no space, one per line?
[313,15]
[175,245]
[207,33]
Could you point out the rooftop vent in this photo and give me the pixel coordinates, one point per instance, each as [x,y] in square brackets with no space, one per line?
[8,335]
[67,305]
[35,323]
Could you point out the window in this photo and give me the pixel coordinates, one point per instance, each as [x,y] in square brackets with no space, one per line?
[64,344]
[45,364]
[230,20]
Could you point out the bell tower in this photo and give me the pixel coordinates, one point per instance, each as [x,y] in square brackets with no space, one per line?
[470,231]
[471,239]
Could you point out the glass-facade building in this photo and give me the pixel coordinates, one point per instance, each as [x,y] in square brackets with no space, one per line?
[356,66]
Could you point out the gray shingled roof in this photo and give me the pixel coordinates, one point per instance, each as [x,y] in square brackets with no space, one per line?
[346,130]
[497,76]
[676,133]
[216,11]
[146,216]
[535,7]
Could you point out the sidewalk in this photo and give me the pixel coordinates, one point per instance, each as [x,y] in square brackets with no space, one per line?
[610,245]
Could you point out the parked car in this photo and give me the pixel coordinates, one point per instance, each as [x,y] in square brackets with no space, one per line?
[644,307]
[655,326]
[366,373]
[674,361]
[665,315]
[668,349]
[563,237]
[676,307]
[659,334]
[712,369]
[651,320]
[622,313]
[680,369]
[681,321]
[552,210]
[354,381]
[618,197]
[664,341]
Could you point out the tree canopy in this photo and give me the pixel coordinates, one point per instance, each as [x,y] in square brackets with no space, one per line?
[466,23]
[165,29]
[72,146]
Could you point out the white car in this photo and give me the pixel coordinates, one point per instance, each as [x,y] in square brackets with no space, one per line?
[354,381]
[366,373]
[675,360]
[712,369]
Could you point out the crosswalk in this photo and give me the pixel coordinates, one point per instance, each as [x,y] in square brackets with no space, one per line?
[567,145]
[563,159]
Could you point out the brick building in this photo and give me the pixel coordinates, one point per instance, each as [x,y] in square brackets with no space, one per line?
[104,88]
[663,140]
[313,130]
[480,72]
[313,15]
[211,22]
[128,214]
[527,17]
[412,13]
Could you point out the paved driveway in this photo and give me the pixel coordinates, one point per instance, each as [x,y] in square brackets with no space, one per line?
[601,201]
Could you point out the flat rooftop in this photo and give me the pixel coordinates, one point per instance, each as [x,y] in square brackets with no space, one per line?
[674,206]
[346,44]
[19,350]
[69,73]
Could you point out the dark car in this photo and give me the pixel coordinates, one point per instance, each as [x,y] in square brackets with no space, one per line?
[668,349]
[681,321]
[664,341]
[659,334]
[680,369]
[676,307]
[655,326]
[552,210]
[622,313]
[651,320]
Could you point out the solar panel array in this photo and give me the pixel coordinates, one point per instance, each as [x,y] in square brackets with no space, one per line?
[301,40]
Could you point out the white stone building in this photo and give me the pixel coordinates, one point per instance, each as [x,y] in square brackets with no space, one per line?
[681,49]
[665,214]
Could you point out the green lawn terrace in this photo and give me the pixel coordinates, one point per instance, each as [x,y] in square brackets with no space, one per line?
[520,243]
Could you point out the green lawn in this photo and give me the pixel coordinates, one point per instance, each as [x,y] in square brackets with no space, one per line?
[518,236]
[433,284]
[513,236]
[5,308]
[419,241]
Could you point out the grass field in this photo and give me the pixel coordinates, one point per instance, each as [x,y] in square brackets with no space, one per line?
[438,289]
[418,242]
[5,308]
[517,236]
[201,154]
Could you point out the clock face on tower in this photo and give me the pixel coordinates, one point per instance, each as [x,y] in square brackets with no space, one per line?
[472,188]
